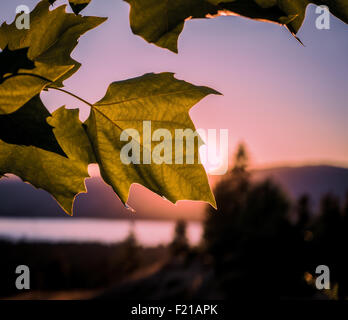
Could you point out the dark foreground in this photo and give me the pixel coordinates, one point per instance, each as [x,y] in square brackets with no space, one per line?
[74,271]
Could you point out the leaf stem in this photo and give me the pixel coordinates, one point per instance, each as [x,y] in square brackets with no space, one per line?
[48,87]
[25,74]
[71,94]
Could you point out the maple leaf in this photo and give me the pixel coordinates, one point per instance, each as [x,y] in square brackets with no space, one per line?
[165,102]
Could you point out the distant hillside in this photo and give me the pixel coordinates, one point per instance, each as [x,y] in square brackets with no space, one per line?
[18,199]
[314,180]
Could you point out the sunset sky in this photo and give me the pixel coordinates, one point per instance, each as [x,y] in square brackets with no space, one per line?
[286,101]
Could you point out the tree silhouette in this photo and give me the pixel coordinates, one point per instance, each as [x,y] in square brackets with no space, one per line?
[180,243]
[303,211]
[329,242]
[254,247]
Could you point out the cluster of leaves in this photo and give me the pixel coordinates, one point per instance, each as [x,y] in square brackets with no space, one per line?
[161,22]
[52,151]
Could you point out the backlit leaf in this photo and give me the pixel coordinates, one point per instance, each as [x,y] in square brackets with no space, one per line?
[61,177]
[71,135]
[165,101]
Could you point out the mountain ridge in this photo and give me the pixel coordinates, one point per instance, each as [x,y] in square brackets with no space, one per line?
[19,199]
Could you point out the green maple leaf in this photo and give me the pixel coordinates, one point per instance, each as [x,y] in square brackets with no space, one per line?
[165,101]
[161,22]
[50,40]
[62,177]
[28,126]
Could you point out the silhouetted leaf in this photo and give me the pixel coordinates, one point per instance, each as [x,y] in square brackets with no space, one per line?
[161,22]
[76,5]
[12,61]
[166,102]
[28,126]
[50,40]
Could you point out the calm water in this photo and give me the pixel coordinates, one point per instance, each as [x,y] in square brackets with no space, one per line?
[148,233]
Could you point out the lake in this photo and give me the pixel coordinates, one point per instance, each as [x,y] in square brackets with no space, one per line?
[148,233]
